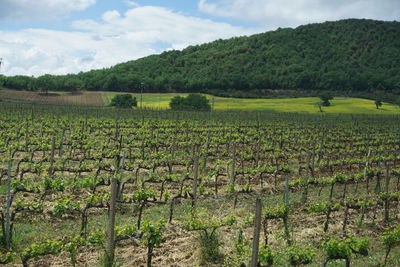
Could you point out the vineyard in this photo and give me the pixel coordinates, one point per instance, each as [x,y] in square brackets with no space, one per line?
[86,186]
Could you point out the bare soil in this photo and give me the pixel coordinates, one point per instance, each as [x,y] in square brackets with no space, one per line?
[84,98]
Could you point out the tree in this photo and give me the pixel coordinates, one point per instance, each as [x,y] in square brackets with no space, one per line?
[177,103]
[2,80]
[72,84]
[123,101]
[378,103]
[325,97]
[398,102]
[191,102]
[45,83]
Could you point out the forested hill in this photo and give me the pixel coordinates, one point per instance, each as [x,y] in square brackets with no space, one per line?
[348,55]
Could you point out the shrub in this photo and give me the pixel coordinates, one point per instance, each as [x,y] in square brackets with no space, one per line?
[191,102]
[123,101]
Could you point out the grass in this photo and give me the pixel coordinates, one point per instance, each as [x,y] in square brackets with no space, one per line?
[301,105]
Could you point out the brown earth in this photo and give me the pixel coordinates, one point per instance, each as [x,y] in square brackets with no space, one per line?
[84,98]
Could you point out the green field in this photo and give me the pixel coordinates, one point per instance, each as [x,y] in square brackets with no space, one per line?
[302,105]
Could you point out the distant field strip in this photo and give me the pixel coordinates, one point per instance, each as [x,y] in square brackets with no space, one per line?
[161,101]
[302,105]
[58,98]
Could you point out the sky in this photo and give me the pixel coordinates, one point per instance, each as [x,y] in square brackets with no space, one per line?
[68,36]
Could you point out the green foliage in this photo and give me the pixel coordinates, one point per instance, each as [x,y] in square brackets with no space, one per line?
[53,184]
[241,253]
[72,247]
[125,231]
[378,103]
[321,207]
[97,199]
[42,248]
[210,248]
[231,188]
[207,226]
[358,245]
[191,102]
[391,238]
[325,97]
[64,206]
[123,101]
[300,255]
[280,212]
[336,249]
[152,233]
[343,249]
[201,220]
[339,178]
[298,182]
[29,205]
[241,245]
[95,238]
[143,194]
[7,257]
[266,257]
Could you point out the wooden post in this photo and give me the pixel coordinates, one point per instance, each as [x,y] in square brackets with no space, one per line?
[365,170]
[287,190]
[26,135]
[205,156]
[53,146]
[286,217]
[120,171]
[387,197]
[8,209]
[195,180]
[233,174]
[256,235]
[61,143]
[313,163]
[110,242]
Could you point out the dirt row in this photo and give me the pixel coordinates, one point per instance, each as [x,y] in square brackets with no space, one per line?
[84,98]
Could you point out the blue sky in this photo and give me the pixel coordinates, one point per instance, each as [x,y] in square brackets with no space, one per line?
[68,36]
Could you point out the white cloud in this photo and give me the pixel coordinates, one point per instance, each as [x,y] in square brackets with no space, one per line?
[39,9]
[116,38]
[109,16]
[131,3]
[290,13]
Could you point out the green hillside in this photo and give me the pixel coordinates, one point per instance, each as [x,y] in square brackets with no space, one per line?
[351,57]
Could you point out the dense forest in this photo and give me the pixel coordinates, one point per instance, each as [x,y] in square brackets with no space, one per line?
[348,56]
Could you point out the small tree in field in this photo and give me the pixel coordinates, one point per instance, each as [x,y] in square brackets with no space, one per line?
[124,101]
[191,102]
[325,97]
[378,103]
